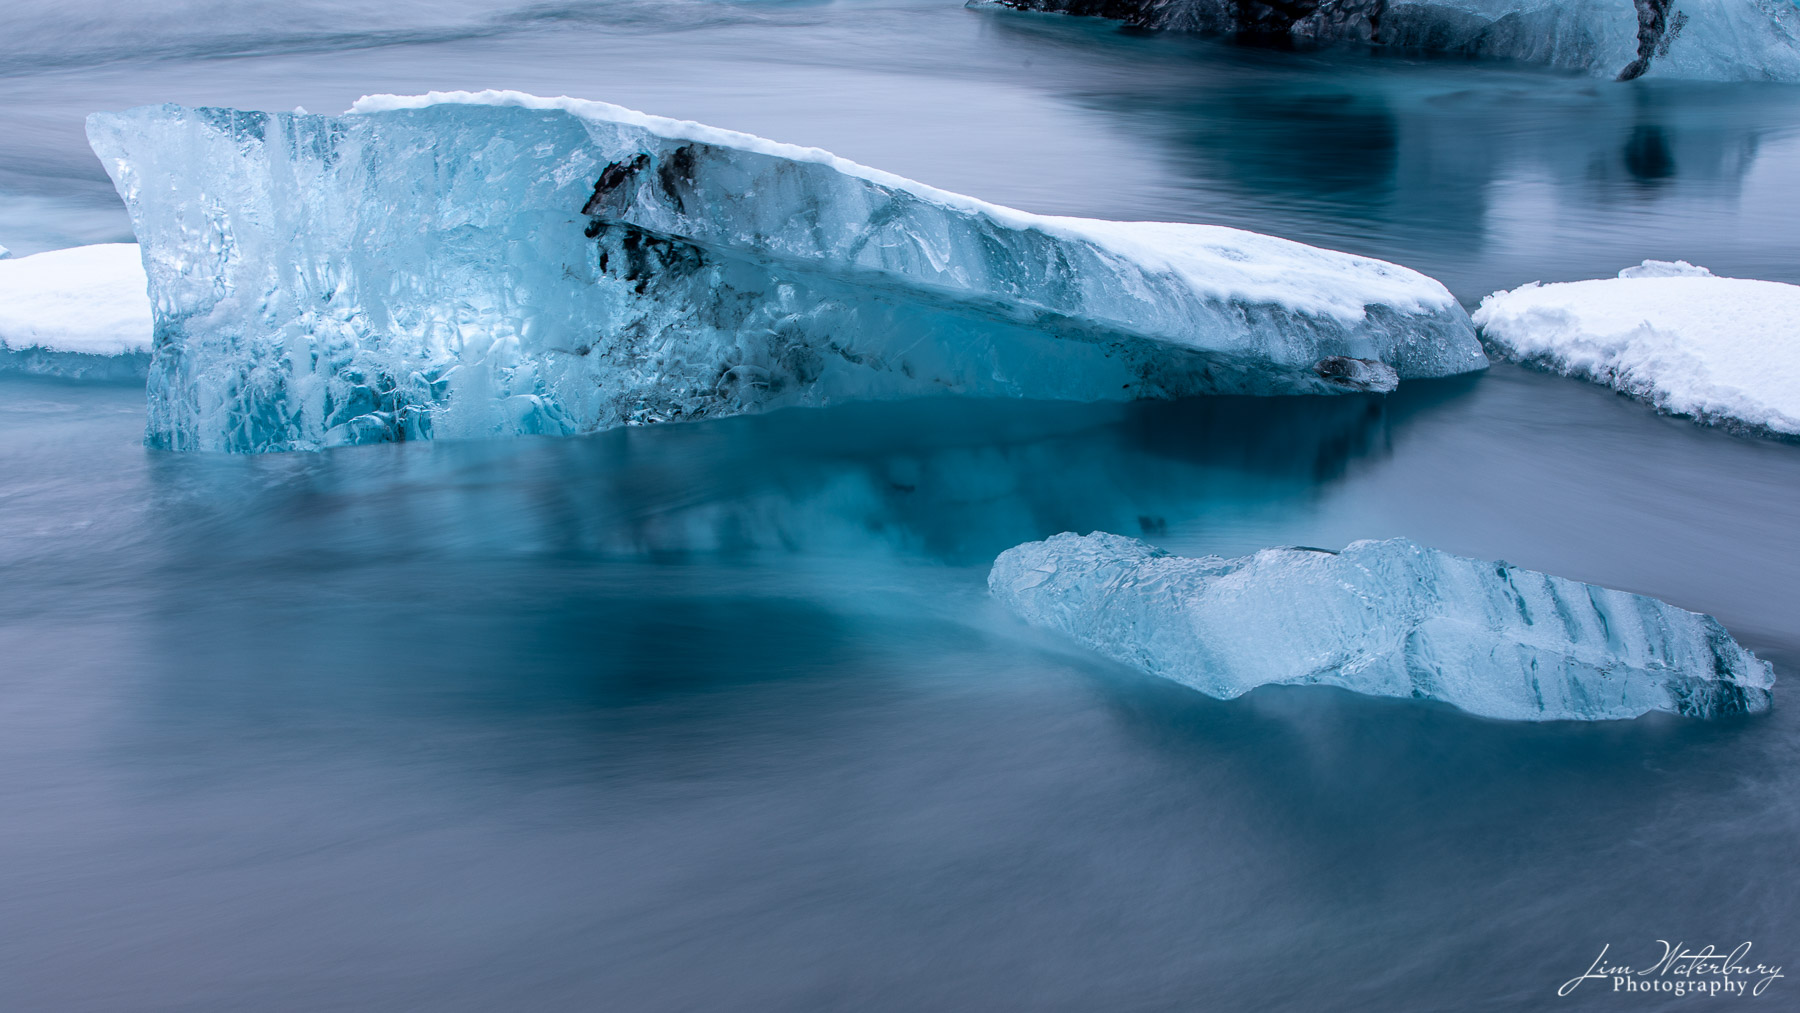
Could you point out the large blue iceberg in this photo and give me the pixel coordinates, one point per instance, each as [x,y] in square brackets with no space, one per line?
[469,265]
[1712,40]
[1387,618]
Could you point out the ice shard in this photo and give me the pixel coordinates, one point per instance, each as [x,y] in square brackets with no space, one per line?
[1387,618]
[484,264]
[1712,40]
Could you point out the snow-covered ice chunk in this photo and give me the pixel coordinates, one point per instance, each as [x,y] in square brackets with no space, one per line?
[1713,40]
[482,264]
[81,312]
[1387,618]
[88,299]
[1725,351]
[1665,269]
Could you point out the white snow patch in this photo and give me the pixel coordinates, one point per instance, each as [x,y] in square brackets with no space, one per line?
[89,299]
[1719,349]
[1665,269]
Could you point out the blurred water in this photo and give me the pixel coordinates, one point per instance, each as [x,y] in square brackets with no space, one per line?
[719,715]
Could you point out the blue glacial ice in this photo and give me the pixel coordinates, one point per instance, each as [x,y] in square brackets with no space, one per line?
[470,265]
[1712,40]
[1387,618]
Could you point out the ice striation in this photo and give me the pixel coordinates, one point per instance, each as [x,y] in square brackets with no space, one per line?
[79,313]
[461,265]
[1713,40]
[1386,618]
[1723,351]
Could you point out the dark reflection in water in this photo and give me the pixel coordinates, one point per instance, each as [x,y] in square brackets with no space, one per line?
[1481,176]
[1335,144]
[1647,155]
[950,479]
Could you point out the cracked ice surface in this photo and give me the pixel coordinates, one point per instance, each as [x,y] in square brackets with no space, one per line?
[472,265]
[1387,618]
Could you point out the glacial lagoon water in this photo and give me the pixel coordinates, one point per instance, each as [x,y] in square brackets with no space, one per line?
[720,715]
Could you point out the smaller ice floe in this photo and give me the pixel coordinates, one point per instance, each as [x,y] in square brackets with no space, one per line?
[1725,351]
[1386,618]
[80,313]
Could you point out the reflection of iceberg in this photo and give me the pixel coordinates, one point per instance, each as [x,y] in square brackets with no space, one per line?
[1389,618]
[1721,350]
[1481,178]
[1719,40]
[469,265]
[952,479]
[75,313]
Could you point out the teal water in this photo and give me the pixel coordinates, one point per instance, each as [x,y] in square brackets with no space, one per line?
[719,715]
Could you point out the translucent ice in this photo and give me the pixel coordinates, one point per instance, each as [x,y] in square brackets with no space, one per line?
[1389,618]
[467,265]
[1715,40]
[1720,350]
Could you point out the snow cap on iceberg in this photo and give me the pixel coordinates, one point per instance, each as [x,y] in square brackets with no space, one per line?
[1665,269]
[1387,618]
[81,312]
[1725,351]
[482,264]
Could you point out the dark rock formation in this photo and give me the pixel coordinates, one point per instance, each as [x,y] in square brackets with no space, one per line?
[1655,32]
[1320,19]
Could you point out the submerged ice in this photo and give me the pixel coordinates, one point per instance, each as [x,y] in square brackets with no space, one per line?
[1387,618]
[468,265]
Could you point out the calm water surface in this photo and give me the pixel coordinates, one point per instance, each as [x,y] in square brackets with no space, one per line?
[718,716]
